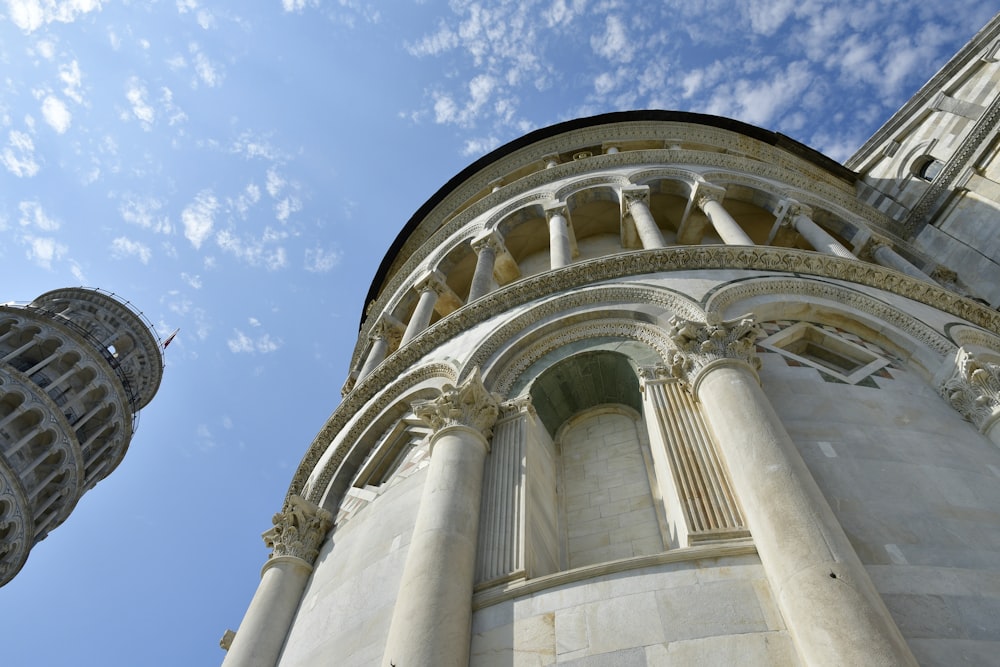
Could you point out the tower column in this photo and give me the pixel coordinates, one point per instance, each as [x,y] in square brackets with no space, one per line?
[883,254]
[381,336]
[298,532]
[635,202]
[829,603]
[560,251]
[799,217]
[709,200]
[429,286]
[432,617]
[486,246]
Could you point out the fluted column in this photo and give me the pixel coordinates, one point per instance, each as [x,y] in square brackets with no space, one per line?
[709,200]
[974,390]
[487,246]
[429,286]
[829,603]
[800,218]
[382,336]
[560,251]
[432,618]
[636,204]
[295,539]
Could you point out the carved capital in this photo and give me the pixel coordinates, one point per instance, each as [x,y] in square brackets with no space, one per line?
[974,389]
[706,192]
[388,329]
[871,246]
[554,208]
[488,240]
[517,406]
[699,344]
[431,280]
[298,530]
[789,209]
[635,194]
[469,405]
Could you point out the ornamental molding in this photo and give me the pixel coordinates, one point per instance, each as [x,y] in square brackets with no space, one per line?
[723,299]
[965,336]
[469,405]
[622,266]
[299,530]
[359,407]
[974,389]
[700,345]
[652,335]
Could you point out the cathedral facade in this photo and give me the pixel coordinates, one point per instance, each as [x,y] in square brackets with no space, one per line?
[655,388]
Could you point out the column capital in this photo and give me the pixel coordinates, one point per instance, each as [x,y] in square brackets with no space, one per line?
[789,209]
[554,207]
[657,373]
[430,280]
[706,192]
[871,245]
[701,345]
[974,389]
[489,238]
[469,405]
[299,530]
[387,328]
[635,193]
[517,406]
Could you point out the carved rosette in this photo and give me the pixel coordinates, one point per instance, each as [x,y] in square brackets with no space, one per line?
[974,390]
[470,405]
[701,344]
[298,530]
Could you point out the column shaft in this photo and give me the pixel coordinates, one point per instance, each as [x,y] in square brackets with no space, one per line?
[645,225]
[829,603]
[432,618]
[421,314]
[559,248]
[380,346]
[727,228]
[262,632]
[889,258]
[482,279]
[819,238]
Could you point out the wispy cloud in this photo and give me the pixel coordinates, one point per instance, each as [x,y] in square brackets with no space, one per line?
[241,343]
[123,247]
[319,260]
[18,155]
[138,98]
[30,15]
[56,114]
[146,212]
[199,217]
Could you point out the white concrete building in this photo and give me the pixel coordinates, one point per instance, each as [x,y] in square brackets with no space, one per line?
[658,388]
[76,366]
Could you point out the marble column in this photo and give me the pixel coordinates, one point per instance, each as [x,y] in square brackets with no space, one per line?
[560,251]
[636,204]
[382,336]
[881,251]
[295,539]
[974,390]
[799,217]
[829,603]
[709,200]
[432,618]
[429,286]
[487,246]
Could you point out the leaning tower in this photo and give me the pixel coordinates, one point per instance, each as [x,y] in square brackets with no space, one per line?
[76,366]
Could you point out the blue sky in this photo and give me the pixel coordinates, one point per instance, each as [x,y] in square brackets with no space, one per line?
[238,170]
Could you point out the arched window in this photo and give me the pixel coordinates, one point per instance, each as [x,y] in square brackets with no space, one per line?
[927,167]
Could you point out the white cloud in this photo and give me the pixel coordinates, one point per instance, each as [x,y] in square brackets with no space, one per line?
[443,40]
[241,343]
[122,247]
[193,281]
[33,216]
[285,207]
[30,15]
[43,250]
[274,183]
[207,71]
[615,44]
[319,260]
[70,75]
[261,252]
[199,217]
[137,95]
[56,114]
[297,5]
[19,155]
[46,48]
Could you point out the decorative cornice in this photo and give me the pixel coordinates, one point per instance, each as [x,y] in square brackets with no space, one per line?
[700,345]
[974,389]
[624,265]
[469,404]
[298,530]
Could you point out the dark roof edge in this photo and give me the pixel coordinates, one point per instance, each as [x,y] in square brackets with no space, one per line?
[766,136]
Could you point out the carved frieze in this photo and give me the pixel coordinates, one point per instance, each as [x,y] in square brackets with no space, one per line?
[974,389]
[298,530]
